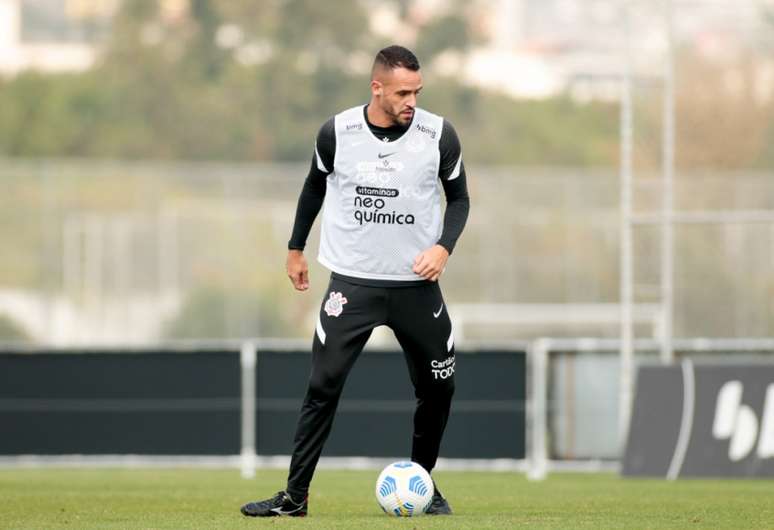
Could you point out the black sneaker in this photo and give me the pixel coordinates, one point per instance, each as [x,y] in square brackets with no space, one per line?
[280,504]
[439,505]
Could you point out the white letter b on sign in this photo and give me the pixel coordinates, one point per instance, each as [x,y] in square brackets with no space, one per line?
[738,422]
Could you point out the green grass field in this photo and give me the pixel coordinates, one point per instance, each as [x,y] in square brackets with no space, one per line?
[95,498]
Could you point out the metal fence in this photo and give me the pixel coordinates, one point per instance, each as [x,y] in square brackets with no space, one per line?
[99,252]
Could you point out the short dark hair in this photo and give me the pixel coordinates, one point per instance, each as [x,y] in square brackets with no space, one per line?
[396,56]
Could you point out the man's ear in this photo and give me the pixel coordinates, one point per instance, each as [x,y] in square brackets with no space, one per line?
[377,89]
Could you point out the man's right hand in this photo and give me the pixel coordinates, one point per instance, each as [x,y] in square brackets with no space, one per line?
[298,270]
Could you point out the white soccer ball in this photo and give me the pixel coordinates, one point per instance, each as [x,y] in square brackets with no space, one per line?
[404,489]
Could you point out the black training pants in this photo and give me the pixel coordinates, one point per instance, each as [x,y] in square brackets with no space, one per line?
[418,317]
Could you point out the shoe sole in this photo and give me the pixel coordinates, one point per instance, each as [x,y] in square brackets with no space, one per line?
[271,514]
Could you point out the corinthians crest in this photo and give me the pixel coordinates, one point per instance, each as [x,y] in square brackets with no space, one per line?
[334,305]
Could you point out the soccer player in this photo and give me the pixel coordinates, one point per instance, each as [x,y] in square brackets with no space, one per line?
[379,168]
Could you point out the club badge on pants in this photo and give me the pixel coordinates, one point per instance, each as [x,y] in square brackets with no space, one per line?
[335,304]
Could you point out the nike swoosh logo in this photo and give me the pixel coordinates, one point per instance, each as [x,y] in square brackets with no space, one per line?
[436,315]
[280,511]
[388,154]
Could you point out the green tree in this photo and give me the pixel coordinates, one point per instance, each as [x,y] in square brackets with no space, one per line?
[168,86]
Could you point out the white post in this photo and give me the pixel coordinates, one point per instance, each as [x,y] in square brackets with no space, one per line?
[10,31]
[71,257]
[537,410]
[94,257]
[168,253]
[247,360]
[668,161]
[627,235]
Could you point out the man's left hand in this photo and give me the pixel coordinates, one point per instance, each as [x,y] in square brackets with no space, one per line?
[431,263]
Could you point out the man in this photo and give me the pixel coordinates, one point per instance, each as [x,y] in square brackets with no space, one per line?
[379,169]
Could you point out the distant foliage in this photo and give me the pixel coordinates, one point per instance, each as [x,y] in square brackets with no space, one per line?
[226,80]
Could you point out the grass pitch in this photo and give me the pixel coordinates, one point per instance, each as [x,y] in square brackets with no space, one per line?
[106,499]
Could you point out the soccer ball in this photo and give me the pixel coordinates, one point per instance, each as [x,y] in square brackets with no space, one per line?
[404,489]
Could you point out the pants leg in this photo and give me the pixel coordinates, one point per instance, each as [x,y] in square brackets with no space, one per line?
[347,316]
[422,326]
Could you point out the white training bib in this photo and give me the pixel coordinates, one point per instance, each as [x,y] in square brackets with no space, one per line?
[383,199]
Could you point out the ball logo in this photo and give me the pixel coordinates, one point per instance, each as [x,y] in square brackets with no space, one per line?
[418,486]
[388,486]
[737,422]
[334,305]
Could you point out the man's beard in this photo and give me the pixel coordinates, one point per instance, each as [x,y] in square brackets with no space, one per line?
[401,119]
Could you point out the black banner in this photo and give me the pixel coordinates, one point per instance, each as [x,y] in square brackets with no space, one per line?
[188,403]
[165,403]
[702,420]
